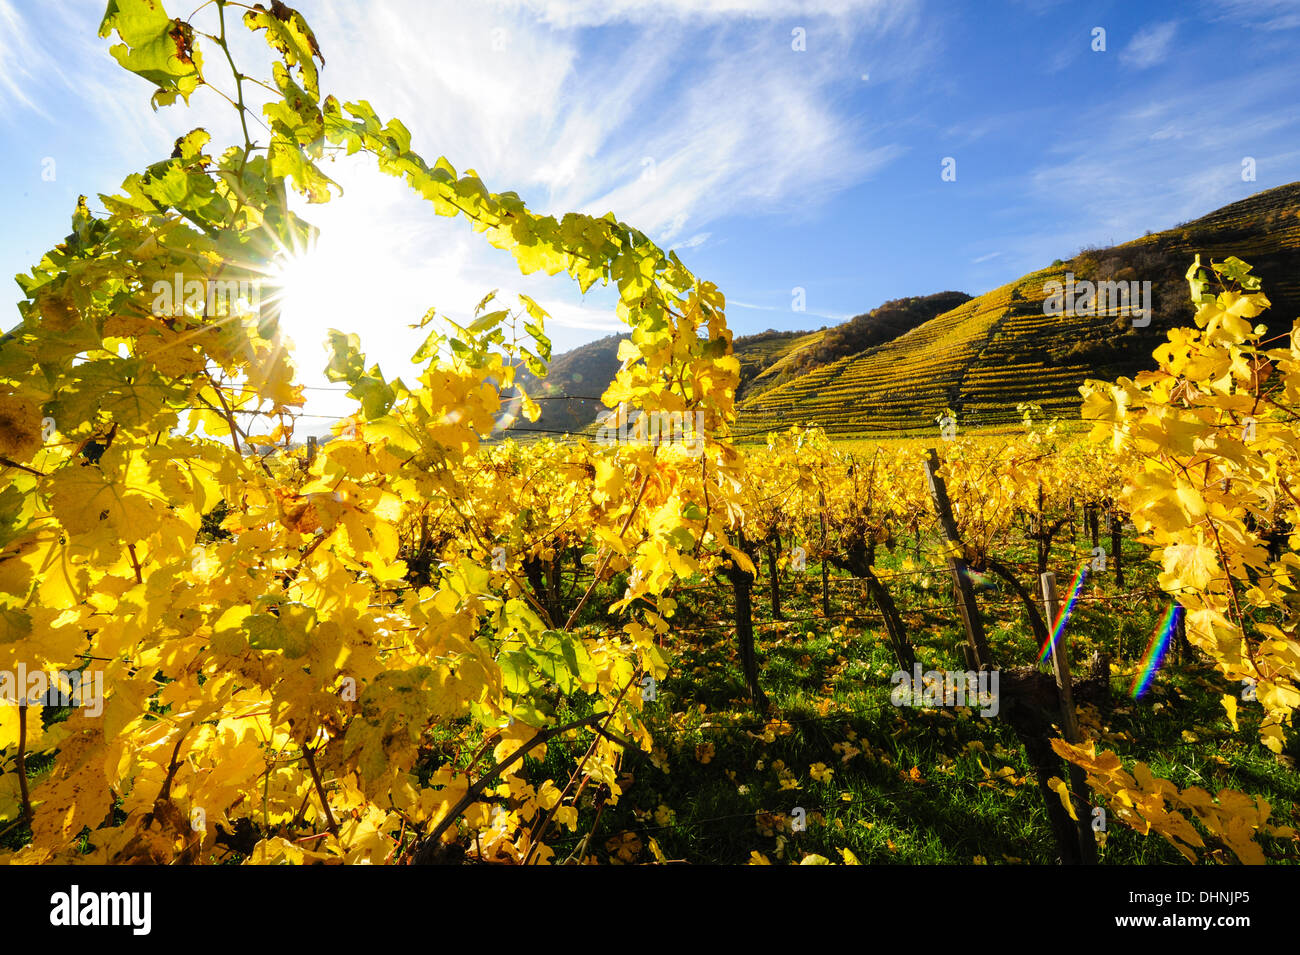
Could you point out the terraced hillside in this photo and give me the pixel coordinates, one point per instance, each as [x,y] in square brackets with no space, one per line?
[776,367]
[871,329]
[569,396]
[764,358]
[983,358]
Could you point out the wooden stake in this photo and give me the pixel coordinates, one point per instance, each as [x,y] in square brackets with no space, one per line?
[1117,544]
[826,587]
[774,575]
[1070,724]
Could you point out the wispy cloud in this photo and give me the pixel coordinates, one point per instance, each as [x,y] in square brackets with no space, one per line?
[1154,158]
[1149,46]
[670,127]
[985,258]
[1264,14]
[1063,57]
[694,242]
[749,306]
[47,61]
[21,61]
[579,13]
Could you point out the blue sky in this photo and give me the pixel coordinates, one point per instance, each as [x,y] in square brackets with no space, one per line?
[768,167]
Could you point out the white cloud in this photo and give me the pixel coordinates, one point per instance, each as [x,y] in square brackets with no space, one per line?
[694,242]
[1149,46]
[735,122]
[1149,161]
[749,306]
[669,127]
[46,62]
[1063,57]
[578,13]
[20,60]
[1265,14]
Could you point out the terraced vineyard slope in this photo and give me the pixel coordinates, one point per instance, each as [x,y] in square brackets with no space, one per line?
[988,355]
[569,395]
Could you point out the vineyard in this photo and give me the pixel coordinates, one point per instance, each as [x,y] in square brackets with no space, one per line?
[986,356]
[421,643]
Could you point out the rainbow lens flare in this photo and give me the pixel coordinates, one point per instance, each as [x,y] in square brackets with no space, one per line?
[1063,615]
[1156,651]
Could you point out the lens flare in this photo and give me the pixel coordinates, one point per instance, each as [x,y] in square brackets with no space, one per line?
[1063,615]
[1156,651]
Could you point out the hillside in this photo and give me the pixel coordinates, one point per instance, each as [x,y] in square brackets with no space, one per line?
[900,365]
[816,349]
[987,355]
[569,396]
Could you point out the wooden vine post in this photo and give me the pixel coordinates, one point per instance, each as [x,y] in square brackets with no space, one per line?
[977,647]
[1040,527]
[774,574]
[742,582]
[1117,544]
[1080,793]
[826,584]
[904,653]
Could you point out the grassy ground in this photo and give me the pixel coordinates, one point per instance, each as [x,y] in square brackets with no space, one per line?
[895,784]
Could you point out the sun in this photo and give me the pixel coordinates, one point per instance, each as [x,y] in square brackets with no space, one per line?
[304,287]
[299,287]
[360,273]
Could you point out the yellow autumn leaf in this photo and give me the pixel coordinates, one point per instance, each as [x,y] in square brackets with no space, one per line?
[9,725]
[548,795]
[20,427]
[1057,785]
[532,411]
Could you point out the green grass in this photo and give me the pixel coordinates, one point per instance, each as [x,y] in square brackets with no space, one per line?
[919,786]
